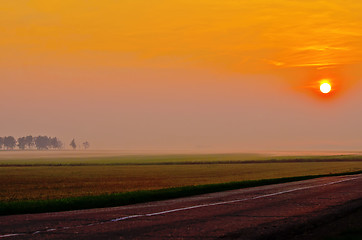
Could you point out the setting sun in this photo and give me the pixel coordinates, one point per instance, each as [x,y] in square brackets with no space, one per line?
[325,87]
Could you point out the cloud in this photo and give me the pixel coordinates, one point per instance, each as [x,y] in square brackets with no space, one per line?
[234,35]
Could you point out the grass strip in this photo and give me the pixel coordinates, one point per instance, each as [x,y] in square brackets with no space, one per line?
[296,160]
[126,198]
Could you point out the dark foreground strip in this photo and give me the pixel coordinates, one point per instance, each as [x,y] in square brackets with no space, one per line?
[341,221]
[119,199]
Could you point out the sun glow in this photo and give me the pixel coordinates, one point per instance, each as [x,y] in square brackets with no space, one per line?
[325,87]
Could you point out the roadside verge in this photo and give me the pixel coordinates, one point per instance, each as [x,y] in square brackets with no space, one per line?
[126,198]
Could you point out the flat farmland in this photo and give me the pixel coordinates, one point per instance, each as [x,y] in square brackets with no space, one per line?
[56,177]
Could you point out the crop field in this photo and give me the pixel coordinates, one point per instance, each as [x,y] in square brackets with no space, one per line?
[56,177]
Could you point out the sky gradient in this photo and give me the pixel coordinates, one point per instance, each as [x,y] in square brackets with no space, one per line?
[200,75]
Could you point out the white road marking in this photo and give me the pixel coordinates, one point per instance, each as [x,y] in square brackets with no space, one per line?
[11,235]
[124,218]
[231,201]
[183,209]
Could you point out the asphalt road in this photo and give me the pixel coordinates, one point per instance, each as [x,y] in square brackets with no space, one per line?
[282,211]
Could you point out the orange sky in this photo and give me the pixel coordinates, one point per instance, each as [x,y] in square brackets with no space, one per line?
[200,75]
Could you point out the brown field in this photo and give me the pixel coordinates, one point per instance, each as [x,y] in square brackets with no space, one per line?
[118,174]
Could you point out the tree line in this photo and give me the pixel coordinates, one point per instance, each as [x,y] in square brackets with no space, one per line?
[39,143]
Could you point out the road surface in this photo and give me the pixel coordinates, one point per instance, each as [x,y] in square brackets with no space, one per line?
[282,211]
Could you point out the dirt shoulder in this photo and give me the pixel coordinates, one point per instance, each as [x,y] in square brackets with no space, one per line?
[338,223]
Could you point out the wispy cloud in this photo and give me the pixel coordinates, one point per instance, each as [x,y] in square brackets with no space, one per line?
[230,34]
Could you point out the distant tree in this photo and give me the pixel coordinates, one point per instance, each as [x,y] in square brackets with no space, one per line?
[55,143]
[9,142]
[22,143]
[1,142]
[42,142]
[29,141]
[86,145]
[73,144]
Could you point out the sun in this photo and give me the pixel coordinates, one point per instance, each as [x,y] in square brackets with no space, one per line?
[325,87]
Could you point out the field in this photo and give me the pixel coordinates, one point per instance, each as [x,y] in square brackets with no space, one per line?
[34,176]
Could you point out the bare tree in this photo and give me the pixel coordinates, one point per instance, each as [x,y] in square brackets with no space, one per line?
[73,144]
[1,142]
[86,145]
[9,142]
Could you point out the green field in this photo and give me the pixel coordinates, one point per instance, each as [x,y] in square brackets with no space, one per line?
[56,177]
